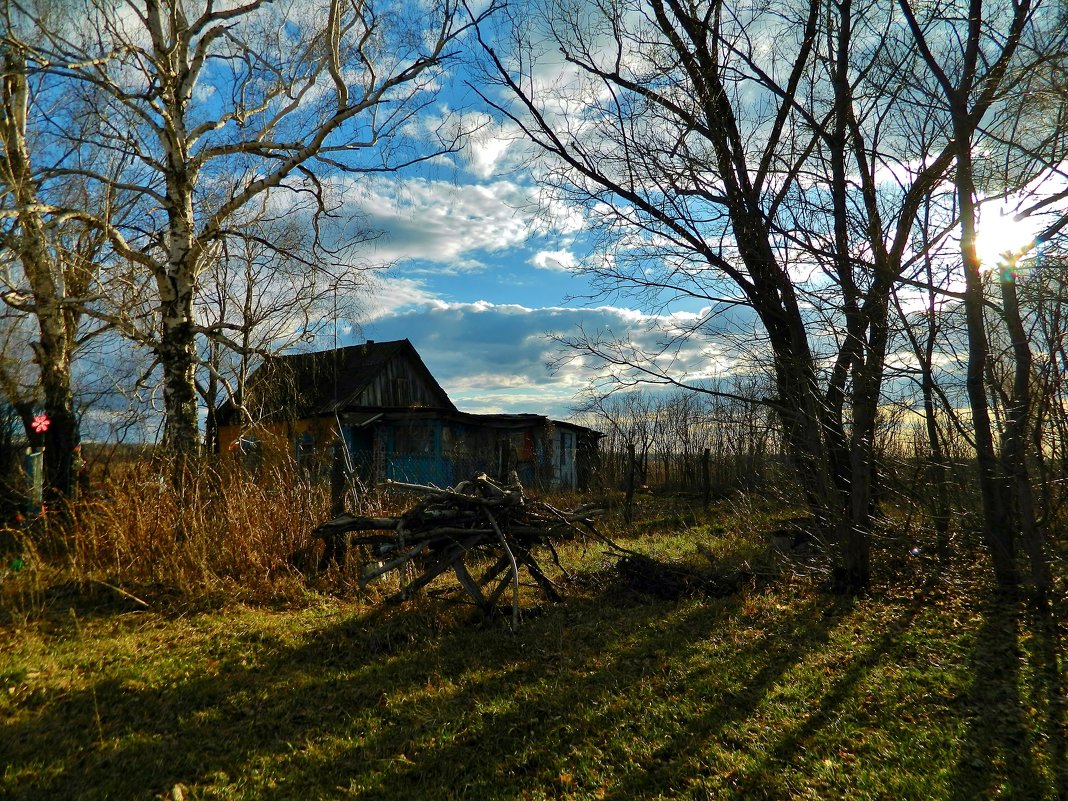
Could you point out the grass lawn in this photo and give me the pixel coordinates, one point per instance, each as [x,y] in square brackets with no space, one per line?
[923,689]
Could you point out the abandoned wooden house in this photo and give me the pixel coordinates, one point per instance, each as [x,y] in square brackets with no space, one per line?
[396,423]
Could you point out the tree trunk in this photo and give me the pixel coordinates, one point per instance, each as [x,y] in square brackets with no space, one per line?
[56,322]
[937,468]
[62,437]
[1014,441]
[176,282]
[211,400]
[706,478]
[177,355]
[997,524]
[803,416]
[53,356]
[628,500]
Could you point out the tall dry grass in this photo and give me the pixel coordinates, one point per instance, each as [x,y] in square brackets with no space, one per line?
[227,532]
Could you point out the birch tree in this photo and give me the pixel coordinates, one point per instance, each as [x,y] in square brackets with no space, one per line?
[269,291]
[214,107]
[48,265]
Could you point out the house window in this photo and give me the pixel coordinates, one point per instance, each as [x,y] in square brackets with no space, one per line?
[414,439]
[304,449]
[567,449]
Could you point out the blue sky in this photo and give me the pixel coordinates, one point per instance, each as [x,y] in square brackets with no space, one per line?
[479,271]
[482,265]
[480,277]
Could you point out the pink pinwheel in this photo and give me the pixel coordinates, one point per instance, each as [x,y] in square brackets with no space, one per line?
[40,423]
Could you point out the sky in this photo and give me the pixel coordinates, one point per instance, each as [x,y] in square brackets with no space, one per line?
[480,273]
[481,276]
[477,267]
[481,270]
[479,293]
[484,282]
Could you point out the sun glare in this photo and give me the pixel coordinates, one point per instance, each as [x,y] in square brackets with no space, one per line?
[999,232]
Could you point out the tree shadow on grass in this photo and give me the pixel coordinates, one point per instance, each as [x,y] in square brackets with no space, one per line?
[630,713]
[397,708]
[355,701]
[728,699]
[601,697]
[1049,625]
[844,687]
[1014,716]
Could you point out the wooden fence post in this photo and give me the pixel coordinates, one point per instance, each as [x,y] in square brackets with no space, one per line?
[35,481]
[628,501]
[706,476]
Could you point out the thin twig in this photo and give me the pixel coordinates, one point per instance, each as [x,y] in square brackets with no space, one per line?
[515,568]
[122,592]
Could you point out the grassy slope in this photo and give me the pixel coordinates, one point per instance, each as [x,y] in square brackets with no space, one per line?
[921,690]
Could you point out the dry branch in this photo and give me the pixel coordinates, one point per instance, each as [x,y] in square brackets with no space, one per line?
[462,528]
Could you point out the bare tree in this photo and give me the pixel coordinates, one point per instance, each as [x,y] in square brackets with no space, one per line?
[923,331]
[770,157]
[738,156]
[211,109]
[1048,298]
[18,384]
[268,291]
[49,266]
[968,73]
[630,422]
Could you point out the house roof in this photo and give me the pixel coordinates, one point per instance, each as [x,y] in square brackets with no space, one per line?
[327,382]
[331,382]
[504,422]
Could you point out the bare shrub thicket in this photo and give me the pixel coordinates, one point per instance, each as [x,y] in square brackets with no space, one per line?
[671,431]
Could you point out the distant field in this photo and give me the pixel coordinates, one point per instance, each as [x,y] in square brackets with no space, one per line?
[924,689]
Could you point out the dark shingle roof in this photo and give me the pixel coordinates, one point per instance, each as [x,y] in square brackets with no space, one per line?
[323,382]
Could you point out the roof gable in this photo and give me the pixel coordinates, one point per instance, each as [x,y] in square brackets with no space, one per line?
[370,375]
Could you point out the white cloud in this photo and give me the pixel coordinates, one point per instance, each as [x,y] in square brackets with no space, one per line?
[561,260]
[392,295]
[443,222]
[496,357]
[486,154]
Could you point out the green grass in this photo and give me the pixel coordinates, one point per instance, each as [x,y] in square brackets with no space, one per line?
[925,689]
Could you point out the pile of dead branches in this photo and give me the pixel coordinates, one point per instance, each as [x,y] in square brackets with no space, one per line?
[486,533]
